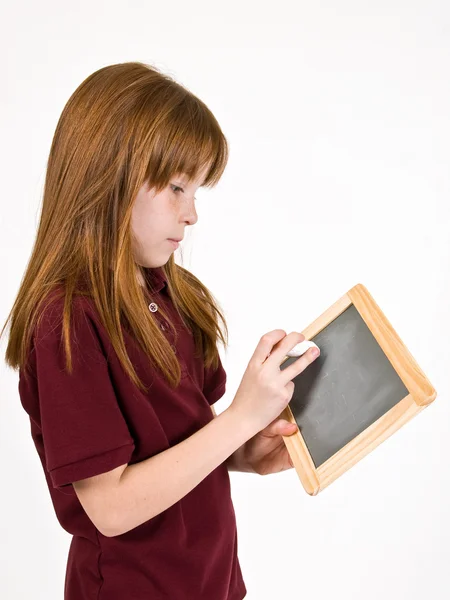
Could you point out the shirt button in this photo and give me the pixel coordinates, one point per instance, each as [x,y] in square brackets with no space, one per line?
[174,348]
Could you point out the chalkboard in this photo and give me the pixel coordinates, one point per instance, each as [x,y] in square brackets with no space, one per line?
[362,388]
[346,389]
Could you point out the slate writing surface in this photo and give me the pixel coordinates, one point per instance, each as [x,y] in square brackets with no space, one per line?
[346,389]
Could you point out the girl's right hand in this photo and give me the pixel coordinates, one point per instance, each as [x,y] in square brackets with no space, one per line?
[265,389]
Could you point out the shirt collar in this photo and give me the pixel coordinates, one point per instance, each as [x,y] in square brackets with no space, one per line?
[156,278]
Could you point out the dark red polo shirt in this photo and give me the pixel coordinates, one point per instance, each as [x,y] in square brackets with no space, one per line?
[97,419]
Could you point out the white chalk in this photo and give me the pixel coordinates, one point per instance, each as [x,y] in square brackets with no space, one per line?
[301,348]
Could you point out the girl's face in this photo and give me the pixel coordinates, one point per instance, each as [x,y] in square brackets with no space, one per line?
[157,217]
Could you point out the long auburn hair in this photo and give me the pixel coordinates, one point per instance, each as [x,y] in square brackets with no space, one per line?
[125,124]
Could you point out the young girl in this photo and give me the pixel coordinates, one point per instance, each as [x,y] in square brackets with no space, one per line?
[116,347]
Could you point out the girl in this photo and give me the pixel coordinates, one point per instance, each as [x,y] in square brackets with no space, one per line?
[116,347]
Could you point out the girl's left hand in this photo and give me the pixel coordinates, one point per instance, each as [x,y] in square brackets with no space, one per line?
[266,452]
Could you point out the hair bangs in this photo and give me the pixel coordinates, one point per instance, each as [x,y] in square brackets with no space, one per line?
[188,141]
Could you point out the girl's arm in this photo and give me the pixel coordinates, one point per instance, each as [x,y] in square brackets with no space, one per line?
[122,499]
[236,461]
[125,497]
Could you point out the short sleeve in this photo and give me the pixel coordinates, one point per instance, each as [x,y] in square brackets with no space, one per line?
[83,429]
[214,384]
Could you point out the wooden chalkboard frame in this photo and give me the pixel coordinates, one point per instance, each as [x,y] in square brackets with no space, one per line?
[421,394]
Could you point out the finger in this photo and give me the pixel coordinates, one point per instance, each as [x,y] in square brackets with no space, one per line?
[279,351]
[290,429]
[281,427]
[299,365]
[301,338]
[266,344]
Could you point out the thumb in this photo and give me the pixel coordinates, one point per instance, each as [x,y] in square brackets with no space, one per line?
[283,427]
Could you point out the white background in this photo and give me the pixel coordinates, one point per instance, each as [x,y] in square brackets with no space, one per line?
[337,115]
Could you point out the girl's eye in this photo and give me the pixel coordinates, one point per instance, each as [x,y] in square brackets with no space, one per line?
[176,189]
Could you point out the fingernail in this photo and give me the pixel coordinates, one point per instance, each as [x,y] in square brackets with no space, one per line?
[315,352]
